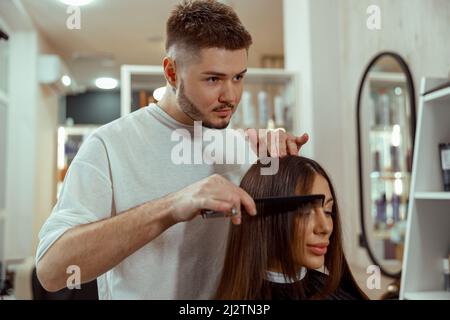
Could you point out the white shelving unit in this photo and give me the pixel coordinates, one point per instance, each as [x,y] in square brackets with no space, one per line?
[69,142]
[428,228]
[4,112]
[137,76]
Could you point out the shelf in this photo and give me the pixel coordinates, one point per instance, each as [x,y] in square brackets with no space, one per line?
[428,295]
[442,95]
[381,128]
[382,234]
[432,195]
[387,77]
[390,175]
[427,236]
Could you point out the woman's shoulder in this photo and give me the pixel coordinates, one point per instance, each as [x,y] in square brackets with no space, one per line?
[345,291]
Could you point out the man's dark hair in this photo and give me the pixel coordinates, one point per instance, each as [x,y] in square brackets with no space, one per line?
[206,24]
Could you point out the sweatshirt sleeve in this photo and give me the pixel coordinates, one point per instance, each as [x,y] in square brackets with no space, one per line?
[86,195]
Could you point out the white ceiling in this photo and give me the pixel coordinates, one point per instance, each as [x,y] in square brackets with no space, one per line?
[116,32]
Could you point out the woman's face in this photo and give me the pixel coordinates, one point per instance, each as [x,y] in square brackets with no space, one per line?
[317,225]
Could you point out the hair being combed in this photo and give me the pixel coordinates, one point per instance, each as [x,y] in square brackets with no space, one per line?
[267,238]
[206,24]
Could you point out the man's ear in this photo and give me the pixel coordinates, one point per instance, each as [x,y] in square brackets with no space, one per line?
[170,71]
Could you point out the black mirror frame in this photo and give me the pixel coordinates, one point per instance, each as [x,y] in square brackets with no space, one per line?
[411,92]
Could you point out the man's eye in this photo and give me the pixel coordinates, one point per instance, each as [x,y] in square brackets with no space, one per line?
[239,77]
[330,213]
[212,79]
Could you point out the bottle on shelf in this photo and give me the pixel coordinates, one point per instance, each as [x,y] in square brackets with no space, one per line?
[375,111]
[399,107]
[263,109]
[288,118]
[395,159]
[444,150]
[279,111]
[376,161]
[409,158]
[404,214]
[380,220]
[248,111]
[395,201]
[385,108]
[236,119]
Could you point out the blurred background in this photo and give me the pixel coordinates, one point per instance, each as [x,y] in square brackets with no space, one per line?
[347,72]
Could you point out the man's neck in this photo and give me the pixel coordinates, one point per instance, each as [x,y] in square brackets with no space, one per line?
[169,104]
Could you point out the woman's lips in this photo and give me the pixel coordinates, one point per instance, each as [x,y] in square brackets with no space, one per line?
[318,249]
[224,112]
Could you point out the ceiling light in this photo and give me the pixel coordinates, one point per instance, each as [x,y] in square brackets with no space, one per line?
[159,93]
[76,2]
[106,83]
[66,80]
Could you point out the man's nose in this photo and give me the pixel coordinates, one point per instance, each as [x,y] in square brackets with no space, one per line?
[228,94]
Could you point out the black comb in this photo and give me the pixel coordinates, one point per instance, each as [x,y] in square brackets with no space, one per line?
[275,204]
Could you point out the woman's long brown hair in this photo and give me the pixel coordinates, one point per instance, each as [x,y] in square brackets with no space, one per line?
[260,241]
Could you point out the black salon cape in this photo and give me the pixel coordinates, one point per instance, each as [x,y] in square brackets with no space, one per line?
[312,284]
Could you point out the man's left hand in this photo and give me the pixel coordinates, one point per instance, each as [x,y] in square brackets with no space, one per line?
[277,143]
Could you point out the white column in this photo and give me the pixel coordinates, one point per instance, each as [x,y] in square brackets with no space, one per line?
[297,50]
[312,48]
[22,146]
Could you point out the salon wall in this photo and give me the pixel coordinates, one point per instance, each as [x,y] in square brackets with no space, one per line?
[417,30]
[31,139]
[46,139]
[328,44]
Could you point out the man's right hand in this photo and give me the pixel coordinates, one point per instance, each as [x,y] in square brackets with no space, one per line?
[213,193]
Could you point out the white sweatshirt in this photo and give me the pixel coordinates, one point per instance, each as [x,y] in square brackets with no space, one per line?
[124,164]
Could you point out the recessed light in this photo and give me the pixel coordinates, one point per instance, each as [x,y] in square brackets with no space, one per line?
[106,83]
[76,2]
[66,80]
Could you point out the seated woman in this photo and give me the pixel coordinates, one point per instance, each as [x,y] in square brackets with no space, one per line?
[276,254]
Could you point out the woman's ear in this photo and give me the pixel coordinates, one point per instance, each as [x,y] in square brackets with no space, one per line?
[170,71]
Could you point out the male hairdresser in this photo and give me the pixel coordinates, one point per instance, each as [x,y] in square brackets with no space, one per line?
[127,215]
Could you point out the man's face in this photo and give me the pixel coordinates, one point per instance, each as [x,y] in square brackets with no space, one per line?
[210,89]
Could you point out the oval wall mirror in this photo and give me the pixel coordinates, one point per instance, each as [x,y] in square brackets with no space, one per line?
[386,120]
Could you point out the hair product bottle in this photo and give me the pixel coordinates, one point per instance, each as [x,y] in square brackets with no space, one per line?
[279,111]
[395,158]
[263,109]
[444,149]
[385,108]
[247,110]
[381,212]
[395,207]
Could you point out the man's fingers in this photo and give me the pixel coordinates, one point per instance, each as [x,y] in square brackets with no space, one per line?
[283,147]
[277,143]
[236,220]
[247,202]
[302,139]
[218,205]
[292,147]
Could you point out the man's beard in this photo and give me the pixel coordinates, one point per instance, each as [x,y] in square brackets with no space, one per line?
[193,112]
